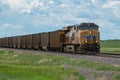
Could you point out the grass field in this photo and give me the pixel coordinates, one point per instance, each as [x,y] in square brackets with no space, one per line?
[111,46]
[28,66]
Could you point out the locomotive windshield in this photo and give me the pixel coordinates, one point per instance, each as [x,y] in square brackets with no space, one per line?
[88,26]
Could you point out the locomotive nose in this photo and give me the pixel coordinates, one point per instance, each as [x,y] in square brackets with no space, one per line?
[91,39]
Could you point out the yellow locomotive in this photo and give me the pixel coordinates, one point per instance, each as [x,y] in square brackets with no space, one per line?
[82,38]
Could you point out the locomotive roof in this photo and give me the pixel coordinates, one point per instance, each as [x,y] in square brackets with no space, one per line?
[87,25]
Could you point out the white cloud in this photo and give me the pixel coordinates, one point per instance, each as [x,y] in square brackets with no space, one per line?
[14,4]
[117,13]
[93,1]
[51,2]
[114,7]
[63,5]
[112,4]
[9,29]
[9,26]
[22,6]
[27,8]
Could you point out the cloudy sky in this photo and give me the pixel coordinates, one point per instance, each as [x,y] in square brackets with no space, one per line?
[18,17]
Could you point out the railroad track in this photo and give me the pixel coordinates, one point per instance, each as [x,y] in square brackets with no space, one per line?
[108,55]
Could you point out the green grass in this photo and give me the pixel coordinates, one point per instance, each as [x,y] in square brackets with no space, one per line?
[94,65]
[110,50]
[110,43]
[111,46]
[117,76]
[13,72]
[27,66]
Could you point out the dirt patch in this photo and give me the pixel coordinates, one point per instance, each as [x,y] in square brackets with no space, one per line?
[97,75]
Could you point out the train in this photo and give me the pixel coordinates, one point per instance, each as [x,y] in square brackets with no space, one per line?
[83,38]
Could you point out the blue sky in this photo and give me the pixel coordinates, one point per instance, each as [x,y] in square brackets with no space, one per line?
[18,17]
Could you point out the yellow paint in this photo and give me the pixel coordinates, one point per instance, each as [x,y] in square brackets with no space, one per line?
[61,32]
[84,33]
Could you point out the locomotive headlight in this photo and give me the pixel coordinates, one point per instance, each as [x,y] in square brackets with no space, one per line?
[86,41]
[90,32]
